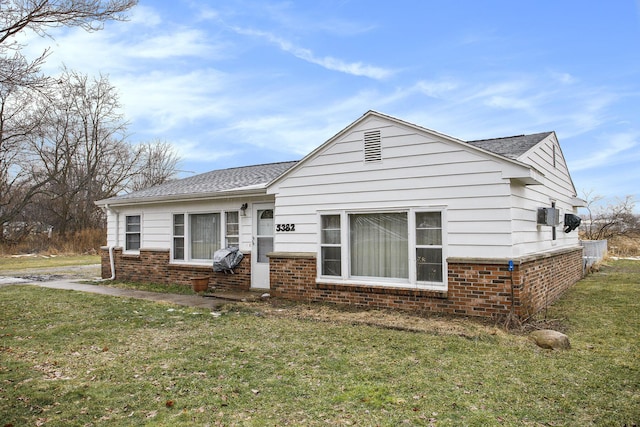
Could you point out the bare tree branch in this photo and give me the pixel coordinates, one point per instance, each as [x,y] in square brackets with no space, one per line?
[157,164]
[607,221]
[42,15]
[25,172]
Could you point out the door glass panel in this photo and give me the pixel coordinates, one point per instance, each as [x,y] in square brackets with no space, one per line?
[265,234]
[265,245]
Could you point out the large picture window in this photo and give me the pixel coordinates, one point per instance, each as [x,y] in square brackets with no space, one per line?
[379,245]
[205,235]
[196,236]
[386,248]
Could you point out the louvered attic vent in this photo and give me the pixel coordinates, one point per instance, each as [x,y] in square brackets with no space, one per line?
[372,146]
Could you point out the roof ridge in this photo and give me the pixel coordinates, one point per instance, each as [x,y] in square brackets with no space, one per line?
[251,166]
[507,137]
[500,137]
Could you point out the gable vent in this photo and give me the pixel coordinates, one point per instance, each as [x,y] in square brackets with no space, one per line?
[372,146]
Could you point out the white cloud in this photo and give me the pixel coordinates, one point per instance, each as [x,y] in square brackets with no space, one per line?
[436,89]
[182,43]
[167,100]
[145,16]
[564,78]
[612,150]
[328,62]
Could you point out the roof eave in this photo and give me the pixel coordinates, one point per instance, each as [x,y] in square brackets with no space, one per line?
[253,192]
[524,174]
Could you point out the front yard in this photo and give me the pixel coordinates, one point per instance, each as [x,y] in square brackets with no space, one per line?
[77,359]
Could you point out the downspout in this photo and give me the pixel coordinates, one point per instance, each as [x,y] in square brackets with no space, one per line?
[112,260]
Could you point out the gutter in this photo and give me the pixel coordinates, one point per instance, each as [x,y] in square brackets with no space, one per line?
[106,203]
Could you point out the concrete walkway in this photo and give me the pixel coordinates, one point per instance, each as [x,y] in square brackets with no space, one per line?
[210,301]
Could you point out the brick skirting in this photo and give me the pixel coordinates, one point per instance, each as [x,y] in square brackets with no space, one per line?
[476,287]
[152,266]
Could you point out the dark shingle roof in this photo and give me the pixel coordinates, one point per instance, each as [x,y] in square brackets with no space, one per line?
[232,179]
[258,176]
[510,147]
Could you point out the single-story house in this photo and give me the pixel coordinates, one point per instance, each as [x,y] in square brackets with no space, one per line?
[385,214]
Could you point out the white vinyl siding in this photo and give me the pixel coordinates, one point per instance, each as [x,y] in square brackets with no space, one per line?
[158,224]
[419,170]
[529,237]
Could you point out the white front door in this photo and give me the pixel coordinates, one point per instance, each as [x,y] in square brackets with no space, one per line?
[262,244]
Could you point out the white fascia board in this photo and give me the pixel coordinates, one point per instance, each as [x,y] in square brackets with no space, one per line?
[524,174]
[244,192]
[577,202]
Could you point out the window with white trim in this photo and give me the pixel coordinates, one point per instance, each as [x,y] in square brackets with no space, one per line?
[379,245]
[178,236]
[232,229]
[330,246]
[401,248]
[429,247]
[196,236]
[204,235]
[133,231]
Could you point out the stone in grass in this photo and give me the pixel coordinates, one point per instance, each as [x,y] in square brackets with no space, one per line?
[547,338]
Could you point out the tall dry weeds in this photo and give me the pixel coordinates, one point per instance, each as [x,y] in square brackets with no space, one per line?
[80,243]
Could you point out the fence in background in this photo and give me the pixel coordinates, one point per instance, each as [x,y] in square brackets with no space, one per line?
[594,251]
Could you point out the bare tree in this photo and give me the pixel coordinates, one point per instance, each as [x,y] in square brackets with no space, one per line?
[81,151]
[157,164]
[610,220]
[40,16]
[18,183]
[21,82]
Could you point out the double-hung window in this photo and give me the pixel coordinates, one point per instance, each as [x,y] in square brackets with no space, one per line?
[178,236]
[330,246]
[133,230]
[397,248]
[232,229]
[429,247]
[196,236]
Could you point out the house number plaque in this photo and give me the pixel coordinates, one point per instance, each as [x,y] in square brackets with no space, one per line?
[285,227]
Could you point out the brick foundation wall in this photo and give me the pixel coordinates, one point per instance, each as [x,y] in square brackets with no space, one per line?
[546,278]
[152,266]
[476,287]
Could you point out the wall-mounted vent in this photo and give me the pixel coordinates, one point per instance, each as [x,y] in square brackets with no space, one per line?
[372,146]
